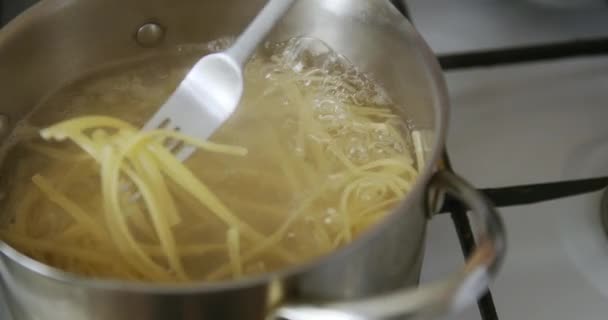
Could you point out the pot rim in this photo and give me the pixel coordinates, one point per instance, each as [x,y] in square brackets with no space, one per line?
[441,109]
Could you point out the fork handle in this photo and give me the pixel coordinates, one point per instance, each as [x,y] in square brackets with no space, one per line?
[257,30]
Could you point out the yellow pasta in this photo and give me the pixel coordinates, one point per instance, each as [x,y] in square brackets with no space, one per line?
[71,208]
[313,157]
[234,252]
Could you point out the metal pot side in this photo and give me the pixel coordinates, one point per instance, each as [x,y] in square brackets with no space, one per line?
[56,41]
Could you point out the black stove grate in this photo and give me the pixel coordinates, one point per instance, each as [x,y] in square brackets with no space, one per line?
[524,194]
[544,52]
[510,196]
[459,216]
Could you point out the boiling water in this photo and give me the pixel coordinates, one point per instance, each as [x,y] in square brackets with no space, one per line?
[326,158]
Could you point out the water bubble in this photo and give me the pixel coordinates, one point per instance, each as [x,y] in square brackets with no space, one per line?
[299,152]
[298,67]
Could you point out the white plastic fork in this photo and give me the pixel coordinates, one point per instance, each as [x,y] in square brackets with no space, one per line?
[212,89]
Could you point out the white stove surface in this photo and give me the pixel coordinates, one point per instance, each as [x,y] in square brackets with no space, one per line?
[525,124]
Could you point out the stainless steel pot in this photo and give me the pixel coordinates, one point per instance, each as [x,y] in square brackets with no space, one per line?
[374,277]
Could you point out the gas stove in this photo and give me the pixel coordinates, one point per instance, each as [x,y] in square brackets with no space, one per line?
[528,82]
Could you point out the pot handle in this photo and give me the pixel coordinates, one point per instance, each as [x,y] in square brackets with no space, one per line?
[436,298]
